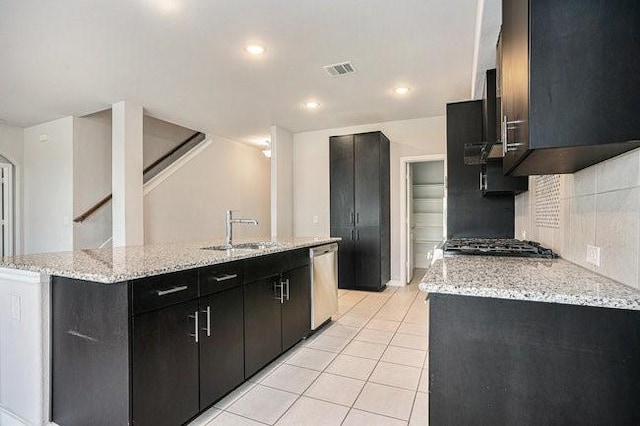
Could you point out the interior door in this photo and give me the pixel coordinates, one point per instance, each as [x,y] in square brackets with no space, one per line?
[410,227]
[6,211]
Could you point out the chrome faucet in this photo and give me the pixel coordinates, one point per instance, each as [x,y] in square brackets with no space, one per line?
[228,243]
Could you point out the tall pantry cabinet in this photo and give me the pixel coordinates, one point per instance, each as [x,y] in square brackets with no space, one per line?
[360,209]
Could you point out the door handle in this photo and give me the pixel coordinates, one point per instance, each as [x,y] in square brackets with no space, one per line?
[351,217]
[287,282]
[506,126]
[208,327]
[279,285]
[197,331]
[352,235]
[357,217]
[357,235]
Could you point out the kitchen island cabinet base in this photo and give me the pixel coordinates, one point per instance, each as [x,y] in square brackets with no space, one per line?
[163,349]
[496,361]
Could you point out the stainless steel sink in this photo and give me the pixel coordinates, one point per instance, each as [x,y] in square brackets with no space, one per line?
[260,245]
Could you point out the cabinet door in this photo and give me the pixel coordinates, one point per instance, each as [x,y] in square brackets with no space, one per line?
[368,257]
[165,366]
[367,179]
[221,345]
[341,180]
[262,324]
[515,79]
[296,310]
[346,252]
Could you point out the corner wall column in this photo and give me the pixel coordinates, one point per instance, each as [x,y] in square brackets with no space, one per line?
[281,182]
[128,214]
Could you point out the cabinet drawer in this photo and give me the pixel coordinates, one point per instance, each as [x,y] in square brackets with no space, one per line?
[217,278]
[274,264]
[148,294]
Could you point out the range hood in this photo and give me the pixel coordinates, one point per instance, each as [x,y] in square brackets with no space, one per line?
[480,152]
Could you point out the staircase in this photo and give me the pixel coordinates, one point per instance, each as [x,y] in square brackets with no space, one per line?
[153,170]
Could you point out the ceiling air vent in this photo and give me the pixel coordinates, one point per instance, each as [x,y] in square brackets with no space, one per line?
[336,70]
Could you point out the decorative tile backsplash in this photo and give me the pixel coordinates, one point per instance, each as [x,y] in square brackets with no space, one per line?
[598,206]
[547,201]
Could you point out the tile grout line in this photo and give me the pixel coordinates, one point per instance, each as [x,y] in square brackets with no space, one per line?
[319,375]
[369,315]
[379,359]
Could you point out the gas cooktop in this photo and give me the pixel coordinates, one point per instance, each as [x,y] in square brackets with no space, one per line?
[497,247]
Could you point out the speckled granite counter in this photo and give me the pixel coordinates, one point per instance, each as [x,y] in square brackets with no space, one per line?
[541,280]
[126,263]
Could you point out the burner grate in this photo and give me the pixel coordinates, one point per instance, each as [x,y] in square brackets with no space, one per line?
[496,247]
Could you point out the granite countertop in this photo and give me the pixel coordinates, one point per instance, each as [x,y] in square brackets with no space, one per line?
[518,278]
[111,265]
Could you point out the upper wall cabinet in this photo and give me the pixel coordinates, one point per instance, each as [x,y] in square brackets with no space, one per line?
[570,83]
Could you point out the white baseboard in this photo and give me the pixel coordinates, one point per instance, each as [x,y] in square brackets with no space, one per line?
[395,283]
[7,418]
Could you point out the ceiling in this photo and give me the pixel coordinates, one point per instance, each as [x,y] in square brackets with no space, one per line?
[184,60]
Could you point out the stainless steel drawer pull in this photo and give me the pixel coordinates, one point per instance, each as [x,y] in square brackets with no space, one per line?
[225,277]
[172,290]
[197,331]
[208,327]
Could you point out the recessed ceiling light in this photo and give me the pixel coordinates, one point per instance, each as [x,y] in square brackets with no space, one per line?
[167,6]
[255,49]
[401,90]
[312,104]
[267,153]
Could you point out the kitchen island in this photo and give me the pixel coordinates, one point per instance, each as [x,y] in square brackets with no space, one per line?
[149,335]
[530,341]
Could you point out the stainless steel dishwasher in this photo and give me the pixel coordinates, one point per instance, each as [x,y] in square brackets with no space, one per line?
[324,283]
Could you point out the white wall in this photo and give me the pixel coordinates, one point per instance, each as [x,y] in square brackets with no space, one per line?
[422,136]
[161,137]
[190,204]
[91,178]
[281,182]
[48,187]
[600,206]
[12,148]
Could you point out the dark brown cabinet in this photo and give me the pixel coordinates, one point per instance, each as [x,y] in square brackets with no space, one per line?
[160,350]
[221,344]
[360,208]
[262,324]
[296,308]
[469,213]
[277,310]
[493,180]
[165,366]
[570,83]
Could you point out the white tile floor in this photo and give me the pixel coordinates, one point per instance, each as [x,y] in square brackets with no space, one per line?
[367,368]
